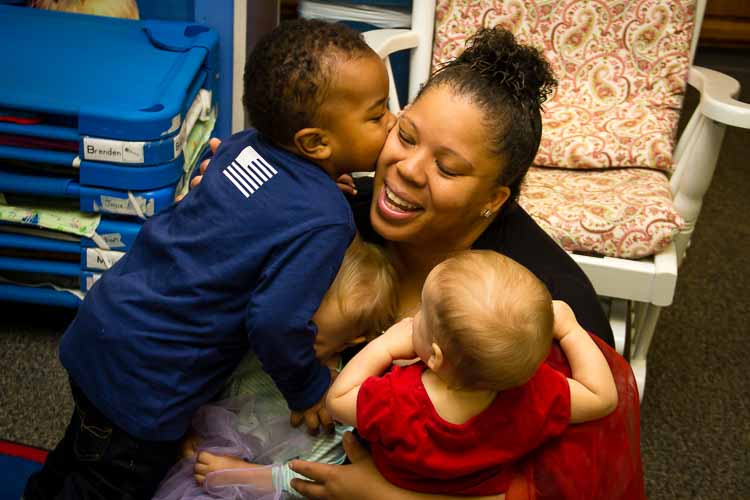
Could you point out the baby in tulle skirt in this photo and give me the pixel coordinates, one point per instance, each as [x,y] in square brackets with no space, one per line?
[239,447]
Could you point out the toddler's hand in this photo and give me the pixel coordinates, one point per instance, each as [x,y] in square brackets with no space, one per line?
[189,445]
[314,417]
[565,320]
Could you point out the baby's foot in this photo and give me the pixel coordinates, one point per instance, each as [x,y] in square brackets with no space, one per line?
[232,471]
[206,463]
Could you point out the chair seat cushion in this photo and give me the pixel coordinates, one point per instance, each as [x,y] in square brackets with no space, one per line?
[626,213]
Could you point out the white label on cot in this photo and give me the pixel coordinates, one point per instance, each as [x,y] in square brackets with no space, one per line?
[123,206]
[176,122]
[97,258]
[179,141]
[112,151]
[91,279]
[113,240]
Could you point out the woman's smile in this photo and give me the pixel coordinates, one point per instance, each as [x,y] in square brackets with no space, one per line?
[393,206]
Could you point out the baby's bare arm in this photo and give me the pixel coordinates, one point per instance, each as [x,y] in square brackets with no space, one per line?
[593,393]
[373,360]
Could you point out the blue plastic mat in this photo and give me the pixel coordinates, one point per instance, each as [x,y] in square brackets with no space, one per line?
[17,463]
[134,83]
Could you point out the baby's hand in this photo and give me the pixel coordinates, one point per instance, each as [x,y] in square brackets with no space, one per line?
[314,417]
[398,340]
[565,320]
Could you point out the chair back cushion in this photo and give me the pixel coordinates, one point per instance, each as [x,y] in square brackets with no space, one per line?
[621,65]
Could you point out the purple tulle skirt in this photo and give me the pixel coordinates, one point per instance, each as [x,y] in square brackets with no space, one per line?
[242,428]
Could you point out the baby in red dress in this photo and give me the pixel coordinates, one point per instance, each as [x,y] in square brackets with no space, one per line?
[481,396]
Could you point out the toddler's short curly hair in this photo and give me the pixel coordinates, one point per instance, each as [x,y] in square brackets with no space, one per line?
[289,72]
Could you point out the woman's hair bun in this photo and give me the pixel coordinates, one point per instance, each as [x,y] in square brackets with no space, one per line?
[494,54]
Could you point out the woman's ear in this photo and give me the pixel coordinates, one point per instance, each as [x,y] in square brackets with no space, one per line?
[436,358]
[499,196]
[313,143]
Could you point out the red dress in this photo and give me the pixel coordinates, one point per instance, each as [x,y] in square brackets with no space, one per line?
[414,448]
[597,460]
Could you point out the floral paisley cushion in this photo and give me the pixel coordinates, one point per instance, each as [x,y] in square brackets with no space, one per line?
[621,65]
[623,213]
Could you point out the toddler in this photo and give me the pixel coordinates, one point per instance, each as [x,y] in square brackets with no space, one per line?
[251,426]
[484,328]
[241,263]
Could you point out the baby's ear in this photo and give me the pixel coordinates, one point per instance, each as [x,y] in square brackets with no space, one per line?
[436,358]
[313,143]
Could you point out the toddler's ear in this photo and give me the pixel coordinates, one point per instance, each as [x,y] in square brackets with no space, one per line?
[313,143]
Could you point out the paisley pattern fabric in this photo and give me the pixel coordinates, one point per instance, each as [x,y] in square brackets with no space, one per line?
[622,71]
[623,213]
[621,65]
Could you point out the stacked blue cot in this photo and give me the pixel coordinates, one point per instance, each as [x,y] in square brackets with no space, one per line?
[94,116]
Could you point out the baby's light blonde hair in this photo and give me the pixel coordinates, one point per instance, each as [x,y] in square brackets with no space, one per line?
[491,317]
[365,288]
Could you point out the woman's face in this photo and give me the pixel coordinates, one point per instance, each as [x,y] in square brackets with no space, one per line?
[435,175]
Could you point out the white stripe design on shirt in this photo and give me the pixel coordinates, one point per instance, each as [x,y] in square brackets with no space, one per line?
[249,171]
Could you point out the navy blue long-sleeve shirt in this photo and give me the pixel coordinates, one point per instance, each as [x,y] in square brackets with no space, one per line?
[242,262]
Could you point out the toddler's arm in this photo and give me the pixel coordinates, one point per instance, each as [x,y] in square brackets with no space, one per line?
[373,360]
[279,313]
[592,389]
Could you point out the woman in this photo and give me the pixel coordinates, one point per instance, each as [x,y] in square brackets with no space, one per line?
[446,180]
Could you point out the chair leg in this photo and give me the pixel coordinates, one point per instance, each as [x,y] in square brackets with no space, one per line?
[619,320]
[646,317]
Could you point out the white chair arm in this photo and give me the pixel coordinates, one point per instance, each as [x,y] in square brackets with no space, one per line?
[718,92]
[387,41]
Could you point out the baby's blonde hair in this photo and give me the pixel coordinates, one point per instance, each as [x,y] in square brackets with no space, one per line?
[365,288]
[491,317]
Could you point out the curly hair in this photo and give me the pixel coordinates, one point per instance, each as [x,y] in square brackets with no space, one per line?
[289,72]
[509,82]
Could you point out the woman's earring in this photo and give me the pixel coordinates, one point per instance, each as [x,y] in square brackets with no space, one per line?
[486,213]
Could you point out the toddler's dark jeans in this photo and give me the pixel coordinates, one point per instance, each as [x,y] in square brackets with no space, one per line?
[98,460]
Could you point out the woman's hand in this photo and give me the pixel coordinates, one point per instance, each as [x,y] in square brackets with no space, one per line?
[214,144]
[346,185]
[360,479]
